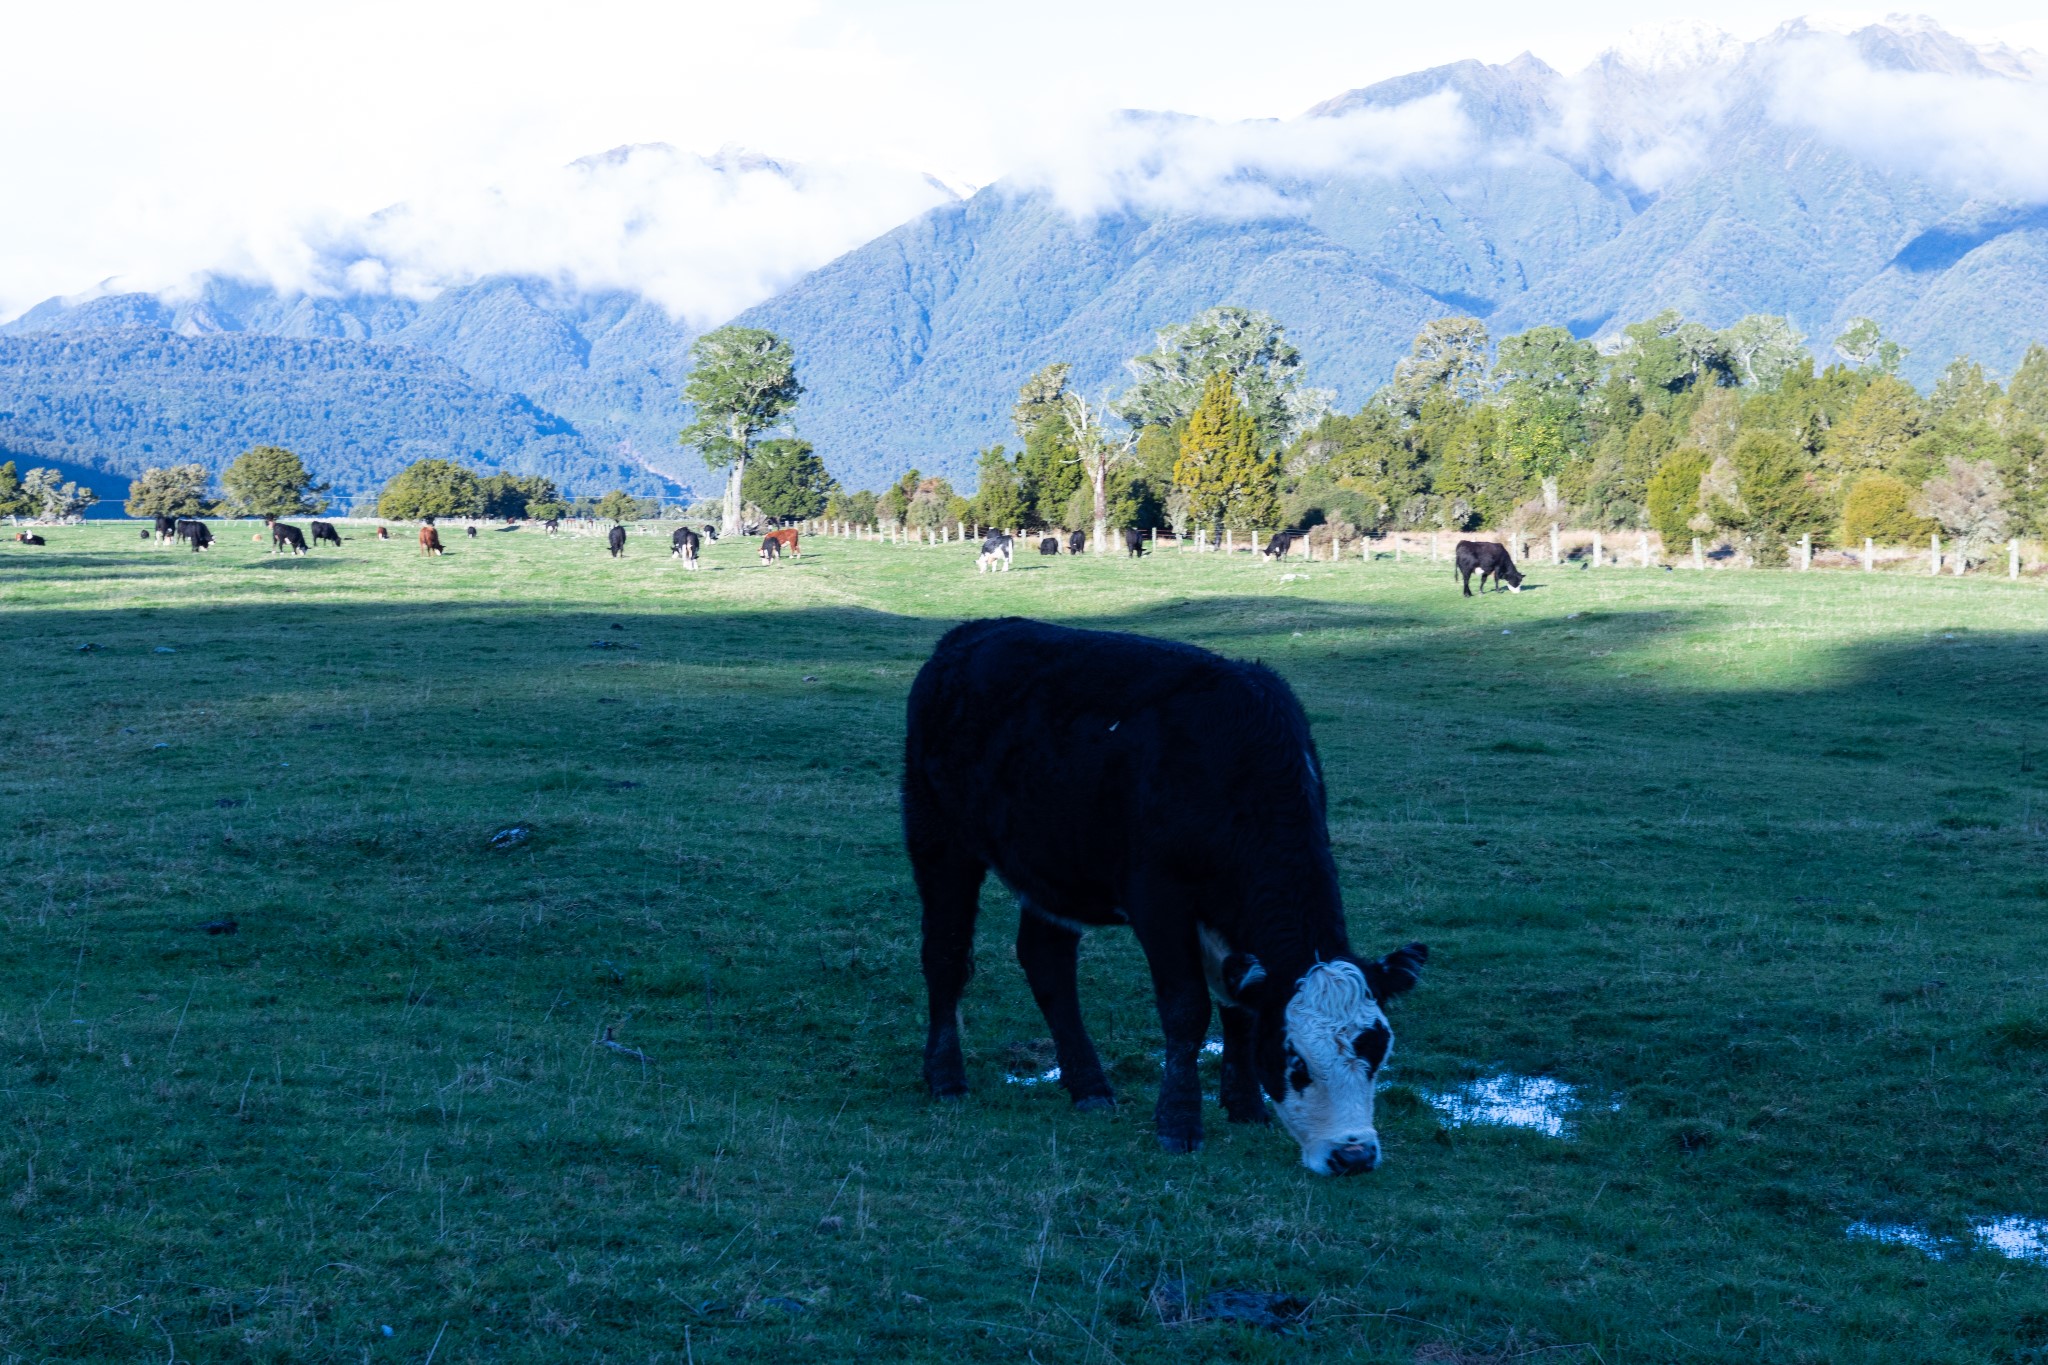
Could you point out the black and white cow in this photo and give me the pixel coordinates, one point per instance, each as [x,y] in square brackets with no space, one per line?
[1488,560]
[616,539]
[285,536]
[997,550]
[684,545]
[1160,747]
[166,530]
[1077,541]
[710,532]
[1134,543]
[1281,545]
[194,533]
[471,530]
[1050,545]
[324,533]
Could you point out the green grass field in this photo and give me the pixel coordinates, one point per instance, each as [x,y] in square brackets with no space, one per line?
[1756,854]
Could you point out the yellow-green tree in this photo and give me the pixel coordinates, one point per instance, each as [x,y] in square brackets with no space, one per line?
[1220,470]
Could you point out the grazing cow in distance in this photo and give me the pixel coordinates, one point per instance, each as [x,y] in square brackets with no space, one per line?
[710,531]
[786,538]
[323,531]
[771,548]
[472,532]
[1489,561]
[616,540]
[996,552]
[166,530]
[430,540]
[29,538]
[1156,743]
[194,533]
[684,545]
[383,533]
[1281,545]
[285,536]
[1077,542]
[1134,543]
[552,525]
[1049,546]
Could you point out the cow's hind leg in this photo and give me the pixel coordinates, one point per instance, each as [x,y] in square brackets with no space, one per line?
[1048,953]
[1239,1090]
[1182,991]
[949,884]
[1468,583]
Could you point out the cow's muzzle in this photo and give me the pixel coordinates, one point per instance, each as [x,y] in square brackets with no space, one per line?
[1354,1157]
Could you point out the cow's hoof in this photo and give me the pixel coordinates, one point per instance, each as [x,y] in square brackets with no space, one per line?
[1180,1144]
[1094,1104]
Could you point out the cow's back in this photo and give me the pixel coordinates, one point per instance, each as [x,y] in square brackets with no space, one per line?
[1068,759]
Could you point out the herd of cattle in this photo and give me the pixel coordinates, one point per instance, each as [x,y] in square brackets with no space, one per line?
[998,549]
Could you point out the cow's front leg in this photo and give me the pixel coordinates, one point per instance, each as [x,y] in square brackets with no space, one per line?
[1239,1090]
[1049,954]
[1183,995]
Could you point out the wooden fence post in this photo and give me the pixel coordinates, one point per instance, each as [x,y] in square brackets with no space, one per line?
[1397,547]
[1555,556]
[1934,557]
[1596,549]
[1806,552]
[1869,556]
[1643,546]
[1698,560]
[1435,553]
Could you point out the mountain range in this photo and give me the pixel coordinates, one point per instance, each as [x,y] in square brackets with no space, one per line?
[1682,169]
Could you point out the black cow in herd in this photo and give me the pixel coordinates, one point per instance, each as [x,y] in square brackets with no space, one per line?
[1488,560]
[1050,545]
[1134,543]
[1077,541]
[166,530]
[1195,813]
[616,539]
[685,545]
[285,536]
[324,532]
[194,533]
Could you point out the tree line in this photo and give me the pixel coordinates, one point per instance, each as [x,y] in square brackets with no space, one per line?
[1740,436]
[42,493]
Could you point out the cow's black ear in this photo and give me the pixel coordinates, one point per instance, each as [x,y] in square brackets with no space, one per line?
[1243,975]
[1396,973]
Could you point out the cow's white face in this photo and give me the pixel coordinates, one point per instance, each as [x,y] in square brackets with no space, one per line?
[1335,1041]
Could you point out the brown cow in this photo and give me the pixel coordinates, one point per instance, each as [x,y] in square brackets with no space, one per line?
[383,533]
[785,541]
[430,541]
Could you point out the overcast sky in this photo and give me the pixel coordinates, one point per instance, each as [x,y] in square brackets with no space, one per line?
[142,140]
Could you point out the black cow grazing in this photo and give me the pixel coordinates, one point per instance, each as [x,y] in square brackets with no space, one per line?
[997,550]
[1134,543]
[1157,745]
[552,525]
[324,532]
[166,530]
[684,545]
[1076,542]
[1049,546]
[285,536]
[1489,561]
[1281,545]
[710,531]
[616,539]
[194,533]
[383,533]
[472,532]
[29,538]
[771,549]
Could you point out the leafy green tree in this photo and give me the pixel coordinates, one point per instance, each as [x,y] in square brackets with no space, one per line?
[930,504]
[1962,394]
[53,497]
[893,506]
[547,511]
[857,508]
[1879,507]
[270,481]
[1447,356]
[2028,388]
[431,488]
[514,496]
[13,501]
[1249,346]
[1885,420]
[1775,499]
[1220,471]
[1668,356]
[1761,349]
[1968,499]
[1102,454]
[1673,496]
[998,494]
[619,505]
[742,382]
[787,480]
[1863,345]
[179,491]
[1049,469]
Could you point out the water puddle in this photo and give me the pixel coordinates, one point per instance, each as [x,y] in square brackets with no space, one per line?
[1212,1048]
[2013,1237]
[1543,1104]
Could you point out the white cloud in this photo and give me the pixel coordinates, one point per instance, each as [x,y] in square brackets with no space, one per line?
[1169,163]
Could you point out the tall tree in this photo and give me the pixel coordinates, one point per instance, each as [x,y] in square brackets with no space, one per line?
[1862,343]
[1447,356]
[998,496]
[270,481]
[53,497]
[2028,388]
[619,505]
[431,488]
[787,480]
[179,491]
[1049,469]
[1249,346]
[742,382]
[1101,451]
[515,496]
[1761,348]
[13,502]
[1220,472]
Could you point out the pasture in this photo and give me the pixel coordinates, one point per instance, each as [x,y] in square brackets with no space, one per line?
[1751,860]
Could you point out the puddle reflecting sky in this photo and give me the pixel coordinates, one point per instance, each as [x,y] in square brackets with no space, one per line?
[2013,1237]
[1543,1104]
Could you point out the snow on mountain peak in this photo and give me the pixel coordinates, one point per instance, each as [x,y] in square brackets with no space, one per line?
[1675,45]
